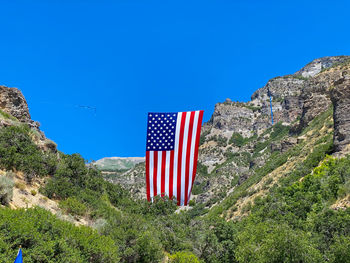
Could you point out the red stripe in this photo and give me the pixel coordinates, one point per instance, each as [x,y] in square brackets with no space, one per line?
[147,177]
[179,158]
[195,157]
[155,166]
[171,174]
[162,182]
[188,153]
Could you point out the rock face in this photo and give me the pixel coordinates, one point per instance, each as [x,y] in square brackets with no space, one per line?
[240,136]
[13,102]
[118,163]
[340,95]
[317,65]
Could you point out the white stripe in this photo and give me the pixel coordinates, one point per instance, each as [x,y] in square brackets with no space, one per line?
[176,151]
[159,173]
[193,145]
[167,168]
[151,174]
[184,152]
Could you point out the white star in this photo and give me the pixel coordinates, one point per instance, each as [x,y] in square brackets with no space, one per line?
[156,115]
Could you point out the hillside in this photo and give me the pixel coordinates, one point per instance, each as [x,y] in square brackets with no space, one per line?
[263,193]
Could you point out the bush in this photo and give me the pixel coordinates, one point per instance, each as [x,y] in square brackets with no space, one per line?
[17,151]
[238,140]
[73,206]
[6,190]
[183,257]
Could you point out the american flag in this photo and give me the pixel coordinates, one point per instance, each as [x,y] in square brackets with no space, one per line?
[172,153]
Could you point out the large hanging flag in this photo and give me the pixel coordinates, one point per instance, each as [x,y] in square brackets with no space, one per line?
[19,258]
[172,154]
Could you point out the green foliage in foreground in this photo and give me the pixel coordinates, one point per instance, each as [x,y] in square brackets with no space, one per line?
[44,238]
[18,151]
[293,223]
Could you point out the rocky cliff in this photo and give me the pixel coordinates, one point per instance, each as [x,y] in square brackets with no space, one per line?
[14,111]
[239,138]
[340,95]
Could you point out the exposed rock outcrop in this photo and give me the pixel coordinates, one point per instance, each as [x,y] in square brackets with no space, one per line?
[340,95]
[317,65]
[13,102]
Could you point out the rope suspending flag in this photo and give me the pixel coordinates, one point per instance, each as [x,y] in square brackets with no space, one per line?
[172,154]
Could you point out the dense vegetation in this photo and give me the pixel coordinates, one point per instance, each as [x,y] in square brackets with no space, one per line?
[294,222]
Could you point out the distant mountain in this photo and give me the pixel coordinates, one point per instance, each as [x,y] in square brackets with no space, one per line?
[117,164]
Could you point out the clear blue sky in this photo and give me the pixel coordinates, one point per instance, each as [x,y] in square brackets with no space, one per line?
[129,57]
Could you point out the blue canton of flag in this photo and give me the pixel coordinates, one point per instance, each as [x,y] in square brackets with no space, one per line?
[161,131]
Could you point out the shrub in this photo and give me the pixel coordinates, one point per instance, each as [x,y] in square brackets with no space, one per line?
[6,189]
[20,186]
[73,206]
[183,257]
[18,151]
[238,140]
[33,192]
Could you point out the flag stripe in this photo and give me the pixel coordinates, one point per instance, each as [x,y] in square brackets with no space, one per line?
[162,183]
[151,165]
[176,151]
[171,174]
[167,169]
[179,157]
[155,168]
[188,155]
[147,177]
[195,157]
[193,143]
[184,158]
[159,172]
